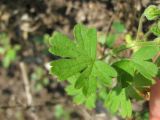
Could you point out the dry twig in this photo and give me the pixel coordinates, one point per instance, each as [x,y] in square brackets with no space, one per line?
[26,84]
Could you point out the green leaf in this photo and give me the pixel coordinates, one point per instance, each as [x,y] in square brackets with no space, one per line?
[104,72]
[152,12]
[59,111]
[117,101]
[138,85]
[65,68]
[124,79]
[102,38]
[155,29]
[110,39]
[118,26]
[140,81]
[132,92]
[83,77]
[126,65]
[147,69]
[79,57]
[62,46]
[90,101]
[9,57]
[86,40]
[146,53]
[78,96]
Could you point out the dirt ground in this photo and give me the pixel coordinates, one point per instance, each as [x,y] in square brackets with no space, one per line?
[26,22]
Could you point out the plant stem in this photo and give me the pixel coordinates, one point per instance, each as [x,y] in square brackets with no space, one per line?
[147,35]
[140,27]
[149,43]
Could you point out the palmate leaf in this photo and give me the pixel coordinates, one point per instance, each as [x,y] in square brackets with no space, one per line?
[141,61]
[78,96]
[136,74]
[118,101]
[79,56]
[147,69]
[135,77]
[146,53]
[77,60]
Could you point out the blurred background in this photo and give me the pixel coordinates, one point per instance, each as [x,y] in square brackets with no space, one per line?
[24,57]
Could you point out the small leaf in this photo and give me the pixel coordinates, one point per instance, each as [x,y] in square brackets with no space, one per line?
[118,26]
[83,77]
[141,81]
[62,46]
[65,68]
[132,92]
[110,39]
[9,57]
[152,12]
[86,40]
[126,65]
[138,86]
[78,96]
[104,72]
[147,69]
[124,79]
[155,29]
[102,38]
[146,53]
[117,101]
[90,102]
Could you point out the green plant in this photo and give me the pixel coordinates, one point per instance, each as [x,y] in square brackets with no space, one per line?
[60,113]
[39,78]
[7,51]
[117,80]
[117,29]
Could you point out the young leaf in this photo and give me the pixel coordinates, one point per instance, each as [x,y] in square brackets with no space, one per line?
[146,53]
[132,92]
[140,81]
[117,101]
[79,56]
[78,96]
[152,12]
[138,86]
[124,79]
[9,57]
[62,46]
[110,39]
[155,29]
[118,26]
[104,72]
[126,65]
[147,69]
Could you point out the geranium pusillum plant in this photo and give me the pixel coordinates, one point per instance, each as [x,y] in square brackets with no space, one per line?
[116,80]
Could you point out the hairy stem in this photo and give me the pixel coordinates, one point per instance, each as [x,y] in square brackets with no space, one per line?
[140,26]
